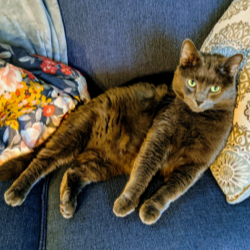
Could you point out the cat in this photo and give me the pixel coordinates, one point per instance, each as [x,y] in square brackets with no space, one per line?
[139,130]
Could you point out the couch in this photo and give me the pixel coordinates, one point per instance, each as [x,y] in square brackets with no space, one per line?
[115,43]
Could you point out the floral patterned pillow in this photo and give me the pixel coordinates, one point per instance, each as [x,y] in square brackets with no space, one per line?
[231,35]
[35,94]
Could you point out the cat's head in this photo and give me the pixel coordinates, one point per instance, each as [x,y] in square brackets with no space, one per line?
[205,81]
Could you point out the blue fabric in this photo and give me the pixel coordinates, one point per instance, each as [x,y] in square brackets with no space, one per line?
[20,226]
[201,219]
[35,26]
[72,84]
[44,206]
[115,41]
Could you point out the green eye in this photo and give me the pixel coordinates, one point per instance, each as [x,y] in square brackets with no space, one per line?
[191,83]
[215,89]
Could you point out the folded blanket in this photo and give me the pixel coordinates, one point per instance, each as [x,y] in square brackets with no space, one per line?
[35,26]
[36,93]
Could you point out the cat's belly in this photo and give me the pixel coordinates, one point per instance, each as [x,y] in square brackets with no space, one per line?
[121,153]
[121,160]
[119,140]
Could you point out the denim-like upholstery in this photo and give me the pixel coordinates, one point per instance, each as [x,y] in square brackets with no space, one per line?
[112,43]
[115,41]
[20,227]
[201,219]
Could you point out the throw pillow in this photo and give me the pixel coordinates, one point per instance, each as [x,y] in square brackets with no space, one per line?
[231,35]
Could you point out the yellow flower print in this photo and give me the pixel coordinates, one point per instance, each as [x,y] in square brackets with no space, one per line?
[45,101]
[12,123]
[22,101]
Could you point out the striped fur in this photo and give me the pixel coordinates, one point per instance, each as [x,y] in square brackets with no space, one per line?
[139,130]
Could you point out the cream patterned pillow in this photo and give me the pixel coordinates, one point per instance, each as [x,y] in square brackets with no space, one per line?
[231,35]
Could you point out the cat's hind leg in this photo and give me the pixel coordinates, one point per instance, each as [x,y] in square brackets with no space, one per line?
[88,167]
[14,167]
[179,182]
[70,139]
[45,162]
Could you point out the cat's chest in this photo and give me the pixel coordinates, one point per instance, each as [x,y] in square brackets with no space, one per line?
[187,128]
[195,140]
[184,149]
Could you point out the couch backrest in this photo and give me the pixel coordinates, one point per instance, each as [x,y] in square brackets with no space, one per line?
[115,41]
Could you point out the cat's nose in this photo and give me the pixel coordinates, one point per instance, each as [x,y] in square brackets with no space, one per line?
[198,103]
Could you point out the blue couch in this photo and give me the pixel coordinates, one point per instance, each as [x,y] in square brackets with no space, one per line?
[118,43]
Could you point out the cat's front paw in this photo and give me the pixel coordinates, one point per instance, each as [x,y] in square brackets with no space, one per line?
[123,206]
[14,197]
[67,205]
[149,213]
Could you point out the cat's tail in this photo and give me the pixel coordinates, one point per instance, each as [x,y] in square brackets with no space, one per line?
[12,168]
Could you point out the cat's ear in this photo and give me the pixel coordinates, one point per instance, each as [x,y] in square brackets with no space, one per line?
[189,54]
[231,65]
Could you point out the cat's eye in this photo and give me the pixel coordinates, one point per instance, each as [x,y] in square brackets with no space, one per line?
[215,89]
[191,83]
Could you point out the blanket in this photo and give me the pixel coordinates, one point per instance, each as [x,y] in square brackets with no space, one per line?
[35,94]
[35,26]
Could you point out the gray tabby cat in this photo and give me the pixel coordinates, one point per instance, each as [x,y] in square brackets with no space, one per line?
[139,130]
